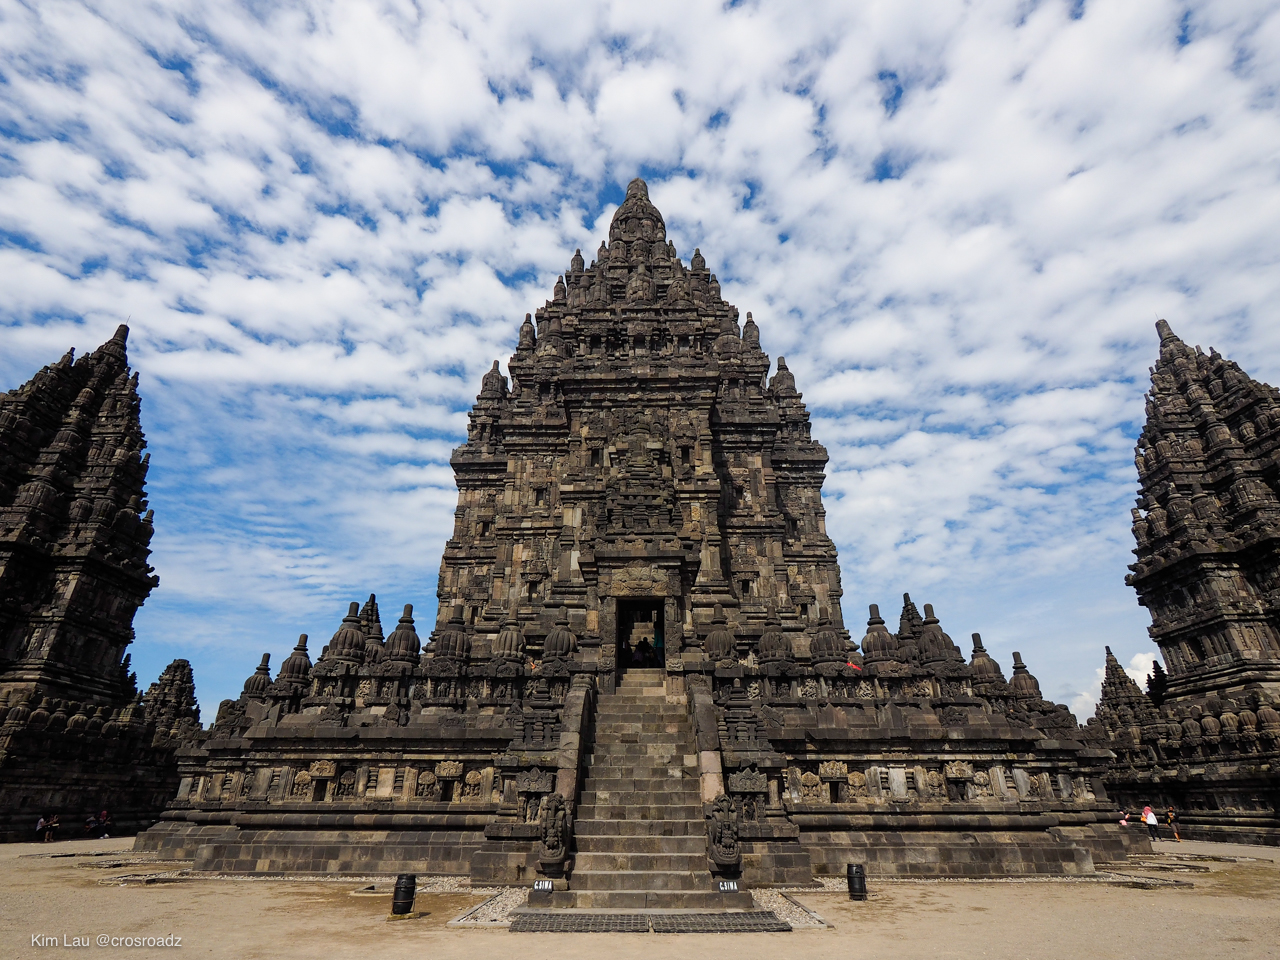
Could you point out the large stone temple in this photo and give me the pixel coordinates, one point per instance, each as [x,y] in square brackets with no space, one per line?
[75,736]
[640,680]
[1207,567]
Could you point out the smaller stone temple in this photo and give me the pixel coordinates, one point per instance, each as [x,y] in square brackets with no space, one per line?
[76,737]
[1207,532]
[640,682]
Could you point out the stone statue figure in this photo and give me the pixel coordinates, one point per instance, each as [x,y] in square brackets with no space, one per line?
[554,821]
[722,835]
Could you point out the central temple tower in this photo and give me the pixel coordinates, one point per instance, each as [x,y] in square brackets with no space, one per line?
[640,468]
[640,495]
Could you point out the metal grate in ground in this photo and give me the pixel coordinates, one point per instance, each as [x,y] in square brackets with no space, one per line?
[754,921]
[580,923]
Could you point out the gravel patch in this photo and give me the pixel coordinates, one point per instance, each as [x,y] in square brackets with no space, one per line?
[786,908]
[496,911]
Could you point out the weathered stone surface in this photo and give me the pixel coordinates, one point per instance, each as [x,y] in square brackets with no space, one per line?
[75,738]
[1207,532]
[641,646]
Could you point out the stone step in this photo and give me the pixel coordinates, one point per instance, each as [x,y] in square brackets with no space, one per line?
[639,834]
[637,747]
[632,862]
[639,798]
[644,767]
[659,786]
[689,844]
[631,735]
[655,811]
[640,762]
[635,880]
[651,900]
[679,792]
[647,777]
[642,779]
[662,786]
[647,694]
[646,784]
[639,750]
[687,826]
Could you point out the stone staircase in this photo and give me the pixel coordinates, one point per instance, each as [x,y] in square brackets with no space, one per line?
[639,832]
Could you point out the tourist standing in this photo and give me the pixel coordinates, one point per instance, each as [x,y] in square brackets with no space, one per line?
[51,828]
[1153,824]
[1171,817]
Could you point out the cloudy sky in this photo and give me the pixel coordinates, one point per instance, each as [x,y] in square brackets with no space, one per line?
[323,221]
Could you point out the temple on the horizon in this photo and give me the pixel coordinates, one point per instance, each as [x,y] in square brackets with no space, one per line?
[1207,532]
[640,679]
[75,736]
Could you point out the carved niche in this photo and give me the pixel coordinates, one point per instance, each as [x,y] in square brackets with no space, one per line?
[428,786]
[811,788]
[303,787]
[749,781]
[323,770]
[535,781]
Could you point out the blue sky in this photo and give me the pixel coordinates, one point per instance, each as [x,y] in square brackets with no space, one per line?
[324,221]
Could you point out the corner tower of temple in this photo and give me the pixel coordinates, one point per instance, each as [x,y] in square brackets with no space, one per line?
[1207,532]
[640,467]
[1207,523]
[74,529]
[75,736]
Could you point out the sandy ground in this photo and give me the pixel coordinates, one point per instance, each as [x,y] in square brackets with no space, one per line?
[1231,911]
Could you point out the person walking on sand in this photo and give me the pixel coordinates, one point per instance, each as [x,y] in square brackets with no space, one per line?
[1153,824]
[1171,818]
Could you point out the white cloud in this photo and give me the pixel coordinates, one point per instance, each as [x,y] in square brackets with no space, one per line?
[325,220]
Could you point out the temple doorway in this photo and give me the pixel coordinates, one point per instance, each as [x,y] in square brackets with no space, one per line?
[640,633]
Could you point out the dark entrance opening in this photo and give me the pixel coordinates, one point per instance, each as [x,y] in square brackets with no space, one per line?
[640,633]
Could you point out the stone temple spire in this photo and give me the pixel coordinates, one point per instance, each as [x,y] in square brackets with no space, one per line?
[1122,702]
[634,396]
[74,527]
[1207,522]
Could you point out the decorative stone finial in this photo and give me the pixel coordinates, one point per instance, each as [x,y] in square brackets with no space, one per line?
[260,679]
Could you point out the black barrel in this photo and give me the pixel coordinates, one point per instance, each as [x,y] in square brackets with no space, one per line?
[857,881]
[402,899]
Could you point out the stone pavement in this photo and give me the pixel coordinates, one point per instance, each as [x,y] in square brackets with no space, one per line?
[1230,910]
